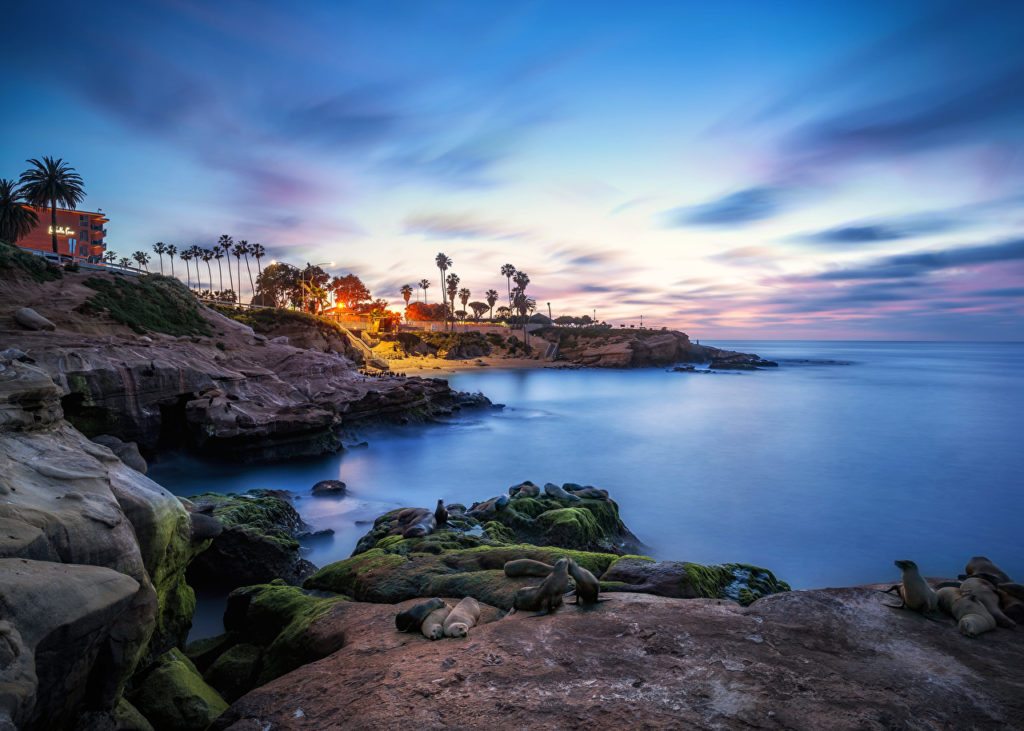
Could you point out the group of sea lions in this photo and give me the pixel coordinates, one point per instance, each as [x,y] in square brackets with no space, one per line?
[546,597]
[417,522]
[567,493]
[435,619]
[983,598]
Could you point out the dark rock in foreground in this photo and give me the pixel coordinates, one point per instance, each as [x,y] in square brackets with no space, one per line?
[833,658]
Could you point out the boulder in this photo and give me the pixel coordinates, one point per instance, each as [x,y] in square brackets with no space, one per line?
[32,320]
[741,583]
[28,396]
[329,488]
[127,452]
[173,695]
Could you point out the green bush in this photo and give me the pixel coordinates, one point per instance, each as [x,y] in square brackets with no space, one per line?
[41,270]
[151,303]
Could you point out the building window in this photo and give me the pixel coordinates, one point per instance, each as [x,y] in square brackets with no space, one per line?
[71,246]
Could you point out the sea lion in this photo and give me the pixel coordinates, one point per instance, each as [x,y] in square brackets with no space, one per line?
[587,585]
[1011,600]
[411,619]
[462,618]
[423,527]
[433,625]
[554,491]
[971,616]
[526,567]
[985,593]
[487,509]
[591,493]
[914,590]
[982,565]
[440,513]
[547,597]
[406,518]
[525,489]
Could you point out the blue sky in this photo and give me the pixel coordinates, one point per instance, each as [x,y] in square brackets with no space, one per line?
[734,169]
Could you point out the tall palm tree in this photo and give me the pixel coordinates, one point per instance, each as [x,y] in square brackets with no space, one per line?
[245,252]
[160,248]
[226,242]
[508,271]
[109,256]
[186,256]
[464,295]
[521,279]
[492,298]
[142,258]
[206,255]
[523,305]
[171,251]
[443,261]
[406,291]
[51,181]
[218,255]
[424,283]
[197,256]
[16,220]
[238,249]
[258,253]
[453,289]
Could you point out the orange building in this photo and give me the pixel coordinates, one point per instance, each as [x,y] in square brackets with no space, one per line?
[79,234]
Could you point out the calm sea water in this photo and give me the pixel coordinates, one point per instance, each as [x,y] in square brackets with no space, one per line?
[848,456]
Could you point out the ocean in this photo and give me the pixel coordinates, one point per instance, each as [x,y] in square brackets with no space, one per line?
[825,470]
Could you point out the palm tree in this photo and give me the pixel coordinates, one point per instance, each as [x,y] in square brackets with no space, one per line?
[521,279]
[109,257]
[508,271]
[492,298]
[142,258]
[218,255]
[171,251]
[186,256]
[16,220]
[464,294]
[125,262]
[160,248]
[424,283]
[453,289]
[258,253]
[206,255]
[245,251]
[523,305]
[238,249]
[226,242]
[443,261]
[197,256]
[51,182]
[406,291]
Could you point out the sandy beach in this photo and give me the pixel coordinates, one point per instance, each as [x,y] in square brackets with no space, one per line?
[431,367]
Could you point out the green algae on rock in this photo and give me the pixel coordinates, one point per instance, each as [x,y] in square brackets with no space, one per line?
[173,695]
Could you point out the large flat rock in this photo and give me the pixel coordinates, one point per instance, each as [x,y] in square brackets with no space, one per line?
[832,658]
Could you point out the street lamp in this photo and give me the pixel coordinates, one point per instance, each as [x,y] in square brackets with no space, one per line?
[549,311]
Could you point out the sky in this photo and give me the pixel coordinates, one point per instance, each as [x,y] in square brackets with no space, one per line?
[737,170]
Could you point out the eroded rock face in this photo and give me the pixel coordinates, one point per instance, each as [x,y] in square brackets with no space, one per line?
[833,658]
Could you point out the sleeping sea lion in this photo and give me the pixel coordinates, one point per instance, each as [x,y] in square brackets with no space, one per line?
[486,510]
[985,593]
[554,491]
[424,526]
[526,567]
[982,565]
[411,619]
[914,590]
[433,626]
[1011,600]
[591,493]
[547,597]
[440,513]
[971,616]
[587,586]
[525,489]
[406,518]
[462,618]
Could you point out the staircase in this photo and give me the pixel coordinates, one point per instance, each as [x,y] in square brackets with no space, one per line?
[371,359]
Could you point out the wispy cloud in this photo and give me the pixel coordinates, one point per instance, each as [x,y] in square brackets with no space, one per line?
[917,264]
[458,226]
[737,209]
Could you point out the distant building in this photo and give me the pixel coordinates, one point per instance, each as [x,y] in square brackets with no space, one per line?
[79,234]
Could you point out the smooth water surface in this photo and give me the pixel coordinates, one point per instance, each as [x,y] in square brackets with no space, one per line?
[822,471]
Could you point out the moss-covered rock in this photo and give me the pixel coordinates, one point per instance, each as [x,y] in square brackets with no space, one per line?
[234,673]
[173,695]
[742,583]
[568,527]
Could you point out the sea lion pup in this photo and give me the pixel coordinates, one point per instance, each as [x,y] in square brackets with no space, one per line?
[433,626]
[970,614]
[424,526]
[462,618]
[587,586]
[440,513]
[982,565]
[985,593]
[547,597]
[526,567]
[914,590]
[411,619]
[554,491]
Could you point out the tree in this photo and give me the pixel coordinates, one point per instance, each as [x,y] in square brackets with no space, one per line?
[246,251]
[186,256]
[51,181]
[124,262]
[349,291]
[16,219]
[225,243]
[464,295]
[443,262]
[160,248]
[197,256]
[508,271]
[492,298]
[453,289]
[279,283]
[238,249]
[460,315]
[479,308]
[258,253]
[521,279]
[406,291]
[206,255]
[313,277]
[142,258]
[423,311]
[171,251]
[109,257]
[424,283]
[218,255]
[504,312]
[523,305]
